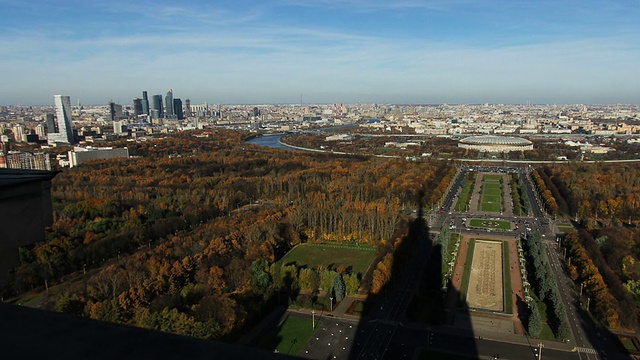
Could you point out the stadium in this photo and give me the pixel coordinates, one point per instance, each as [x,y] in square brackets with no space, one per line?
[495,144]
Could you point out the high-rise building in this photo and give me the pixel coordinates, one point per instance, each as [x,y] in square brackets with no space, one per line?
[18,132]
[187,108]
[51,123]
[137,106]
[145,103]
[115,111]
[27,160]
[177,108]
[156,107]
[64,129]
[119,127]
[168,100]
[41,131]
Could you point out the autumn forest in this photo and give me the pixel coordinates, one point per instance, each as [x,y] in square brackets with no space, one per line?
[186,236]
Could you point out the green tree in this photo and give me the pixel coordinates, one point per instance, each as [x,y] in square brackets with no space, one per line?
[564,332]
[339,288]
[260,278]
[352,283]
[535,321]
[326,280]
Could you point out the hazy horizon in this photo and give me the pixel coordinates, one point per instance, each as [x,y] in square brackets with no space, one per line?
[327,51]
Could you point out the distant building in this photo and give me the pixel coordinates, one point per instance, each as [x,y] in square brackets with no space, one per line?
[187,108]
[170,113]
[79,154]
[25,160]
[156,107]
[145,103]
[115,111]
[30,138]
[119,127]
[41,131]
[51,123]
[495,144]
[137,106]
[18,132]
[64,130]
[177,108]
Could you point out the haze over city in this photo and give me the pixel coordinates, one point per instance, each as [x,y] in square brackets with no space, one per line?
[329,51]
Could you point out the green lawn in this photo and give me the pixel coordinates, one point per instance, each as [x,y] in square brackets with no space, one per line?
[290,336]
[627,342]
[546,333]
[491,204]
[490,224]
[465,196]
[506,276]
[565,228]
[448,258]
[491,194]
[489,177]
[467,271]
[491,189]
[312,255]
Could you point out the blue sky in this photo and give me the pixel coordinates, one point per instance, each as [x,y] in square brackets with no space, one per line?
[327,51]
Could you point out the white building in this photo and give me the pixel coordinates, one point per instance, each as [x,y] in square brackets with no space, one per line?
[79,154]
[63,119]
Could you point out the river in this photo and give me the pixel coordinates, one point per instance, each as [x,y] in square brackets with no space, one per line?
[270,141]
[274,140]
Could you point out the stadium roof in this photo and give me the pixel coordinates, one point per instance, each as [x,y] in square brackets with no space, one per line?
[496,140]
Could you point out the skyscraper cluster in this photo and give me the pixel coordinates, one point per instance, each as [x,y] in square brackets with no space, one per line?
[170,108]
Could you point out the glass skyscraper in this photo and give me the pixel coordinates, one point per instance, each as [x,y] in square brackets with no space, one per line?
[168,101]
[63,120]
[145,103]
[156,107]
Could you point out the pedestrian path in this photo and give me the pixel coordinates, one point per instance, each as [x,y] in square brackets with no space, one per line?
[586,350]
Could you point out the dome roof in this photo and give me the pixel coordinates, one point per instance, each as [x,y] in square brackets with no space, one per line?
[495,140]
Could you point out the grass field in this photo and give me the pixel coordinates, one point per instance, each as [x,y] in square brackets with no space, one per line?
[491,194]
[492,177]
[506,276]
[448,258]
[491,189]
[565,228]
[465,196]
[290,336]
[627,342]
[491,204]
[312,255]
[490,224]
[467,271]
[546,333]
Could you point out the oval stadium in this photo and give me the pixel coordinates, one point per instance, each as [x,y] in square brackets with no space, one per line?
[495,144]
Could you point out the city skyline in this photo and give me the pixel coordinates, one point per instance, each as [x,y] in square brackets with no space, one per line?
[345,51]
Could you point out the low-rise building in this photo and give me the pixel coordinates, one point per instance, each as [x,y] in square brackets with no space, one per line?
[81,154]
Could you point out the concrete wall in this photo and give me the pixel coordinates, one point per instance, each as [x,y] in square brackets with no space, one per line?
[25,211]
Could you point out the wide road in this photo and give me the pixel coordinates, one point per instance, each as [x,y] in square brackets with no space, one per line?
[585,335]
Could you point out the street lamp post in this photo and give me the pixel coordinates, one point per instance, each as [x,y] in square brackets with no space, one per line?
[330,303]
[313,319]
[540,351]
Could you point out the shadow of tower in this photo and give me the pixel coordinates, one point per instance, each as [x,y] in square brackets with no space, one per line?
[405,318]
